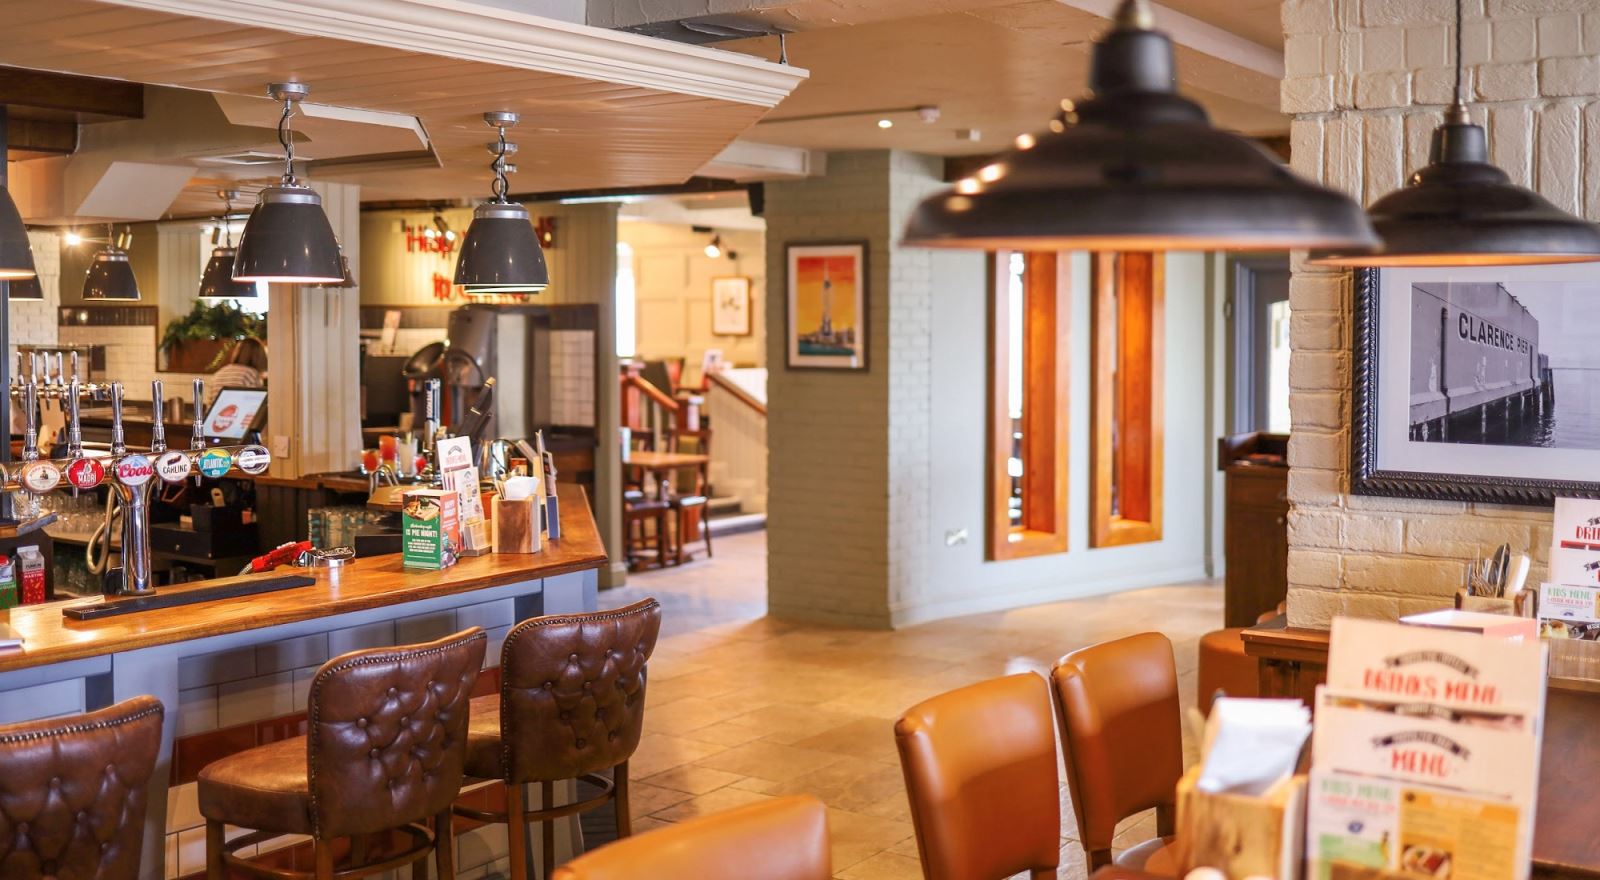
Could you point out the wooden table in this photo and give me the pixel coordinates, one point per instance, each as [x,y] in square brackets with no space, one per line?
[663,464]
[1566,831]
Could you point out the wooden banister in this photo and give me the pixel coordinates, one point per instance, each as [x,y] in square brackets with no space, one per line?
[738,393]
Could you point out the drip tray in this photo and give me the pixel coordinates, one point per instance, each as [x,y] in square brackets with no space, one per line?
[185,594]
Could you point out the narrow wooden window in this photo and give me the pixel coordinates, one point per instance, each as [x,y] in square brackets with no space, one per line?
[1125,448]
[1027,509]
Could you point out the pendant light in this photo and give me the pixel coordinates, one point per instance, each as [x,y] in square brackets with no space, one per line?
[288,238]
[16,252]
[217,281]
[1460,210]
[1137,167]
[501,252]
[110,274]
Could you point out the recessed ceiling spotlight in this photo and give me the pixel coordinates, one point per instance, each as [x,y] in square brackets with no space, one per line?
[886,123]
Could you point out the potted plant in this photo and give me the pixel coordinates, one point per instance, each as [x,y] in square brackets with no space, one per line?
[199,342]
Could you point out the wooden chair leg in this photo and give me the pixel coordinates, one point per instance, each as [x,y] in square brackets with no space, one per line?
[323,855]
[444,845]
[661,540]
[547,829]
[619,782]
[705,526]
[214,844]
[517,831]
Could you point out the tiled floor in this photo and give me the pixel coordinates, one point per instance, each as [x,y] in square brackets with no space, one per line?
[742,707]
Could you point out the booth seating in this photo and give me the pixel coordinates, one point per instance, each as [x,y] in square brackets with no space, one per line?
[73,792]
[571,706]
[384,753]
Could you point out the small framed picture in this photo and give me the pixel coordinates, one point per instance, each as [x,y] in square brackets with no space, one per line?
[1475,384]
[730,306]
[826,309]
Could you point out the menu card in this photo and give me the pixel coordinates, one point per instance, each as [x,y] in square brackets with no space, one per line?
[1425,752]
[1569,603]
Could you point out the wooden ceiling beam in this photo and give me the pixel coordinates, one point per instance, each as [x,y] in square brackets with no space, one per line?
[92,96]
[41,136]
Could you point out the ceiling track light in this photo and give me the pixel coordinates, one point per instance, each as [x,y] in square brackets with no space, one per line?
[1461,210]
[110,275]
[217,281]
[1137,167]
[288,237]
[500,252]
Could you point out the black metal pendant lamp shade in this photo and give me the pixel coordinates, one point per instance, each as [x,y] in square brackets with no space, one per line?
[16,253]
[1460,210]
[1137,167]
[288,237]
[111,275]
[217,281]
[501,252]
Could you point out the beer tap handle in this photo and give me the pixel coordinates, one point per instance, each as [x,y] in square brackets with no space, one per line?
[74,429]
[30,406]
[197,440]
[119,443]
[75,379]
[158,427]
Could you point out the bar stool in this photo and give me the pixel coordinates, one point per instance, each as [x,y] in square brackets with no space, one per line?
[980,768]
[693,514]
[638,510]
[72,792]
[384,750]
[571,706]
[1121,733]
[782,839]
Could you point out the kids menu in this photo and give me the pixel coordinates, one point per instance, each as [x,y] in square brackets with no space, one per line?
[1425,753]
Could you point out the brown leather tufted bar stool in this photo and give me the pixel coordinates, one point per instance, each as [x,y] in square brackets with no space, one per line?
[980,768]
[1121,732]
[385,746]
[571,705]
[781,839]
[72,792]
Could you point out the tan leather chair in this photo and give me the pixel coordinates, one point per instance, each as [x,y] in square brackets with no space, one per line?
[72,792]
[386,742]
[781,839]
[1121,733]
[571,705]
[980,767]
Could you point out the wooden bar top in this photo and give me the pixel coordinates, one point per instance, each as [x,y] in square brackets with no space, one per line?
[364,583]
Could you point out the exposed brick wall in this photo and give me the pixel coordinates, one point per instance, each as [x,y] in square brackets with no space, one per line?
[1366,83]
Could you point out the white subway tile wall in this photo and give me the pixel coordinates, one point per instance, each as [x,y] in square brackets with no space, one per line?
[1366,84]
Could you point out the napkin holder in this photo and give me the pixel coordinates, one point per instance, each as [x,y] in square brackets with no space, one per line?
[516,525]
[1242,835]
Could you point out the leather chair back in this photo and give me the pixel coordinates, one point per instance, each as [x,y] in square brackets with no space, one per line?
[73,792]
[781,839]
[387,734]
[572,691]
[1120,730]
[980,768]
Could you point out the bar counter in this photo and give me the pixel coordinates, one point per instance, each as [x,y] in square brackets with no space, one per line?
[225,668]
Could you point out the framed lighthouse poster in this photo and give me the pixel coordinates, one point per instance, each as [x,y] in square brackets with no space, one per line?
[1477,383]
[826,312]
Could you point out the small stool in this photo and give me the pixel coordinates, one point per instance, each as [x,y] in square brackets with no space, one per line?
[1225,667]
[693,513]
[571,705]
[79,782]
[386,741]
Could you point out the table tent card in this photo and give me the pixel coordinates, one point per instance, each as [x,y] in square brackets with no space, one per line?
[1425,753]
[1569,602]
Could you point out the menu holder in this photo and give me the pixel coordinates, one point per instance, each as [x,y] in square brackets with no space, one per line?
[1241,835]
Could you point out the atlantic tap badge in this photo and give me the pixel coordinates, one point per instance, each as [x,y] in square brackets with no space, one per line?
[86,473]
[215,462]
[133,470]
[39,477]
[173,467]
[253,459]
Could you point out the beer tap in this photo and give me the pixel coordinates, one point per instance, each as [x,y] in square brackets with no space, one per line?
[197,439]
[30,405]
[158,427]
[119,442]
[74,429]
[432,425]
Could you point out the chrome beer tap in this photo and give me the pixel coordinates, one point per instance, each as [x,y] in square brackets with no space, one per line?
[74,429]
[158,427]
[119,442]
[30,406]
[197,439]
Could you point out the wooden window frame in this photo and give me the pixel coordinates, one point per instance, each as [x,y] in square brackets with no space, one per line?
[1046,327]
[1136,414]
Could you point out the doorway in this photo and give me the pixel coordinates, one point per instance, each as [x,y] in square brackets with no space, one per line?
[1258,344]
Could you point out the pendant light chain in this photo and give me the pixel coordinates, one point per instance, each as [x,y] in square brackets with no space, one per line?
[502,186]
[286,139]
[1459,102]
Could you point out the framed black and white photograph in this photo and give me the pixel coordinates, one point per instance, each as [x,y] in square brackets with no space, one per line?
[1477,384]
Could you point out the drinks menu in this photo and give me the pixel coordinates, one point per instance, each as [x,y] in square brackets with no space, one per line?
[1425,753]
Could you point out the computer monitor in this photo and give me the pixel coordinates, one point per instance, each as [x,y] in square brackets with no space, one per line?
[236,413]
